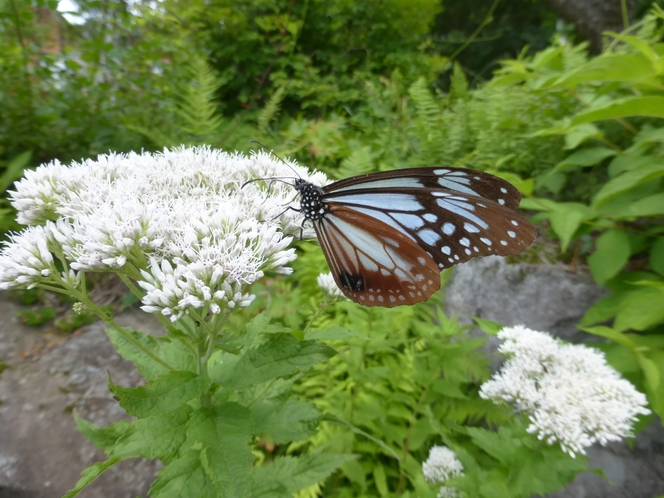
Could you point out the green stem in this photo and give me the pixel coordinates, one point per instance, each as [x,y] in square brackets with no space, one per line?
[108,320]
[625,14]
[136,291]
[487,20]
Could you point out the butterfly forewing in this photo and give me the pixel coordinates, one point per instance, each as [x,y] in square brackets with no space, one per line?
[386,235]
[462,180]
[372,263]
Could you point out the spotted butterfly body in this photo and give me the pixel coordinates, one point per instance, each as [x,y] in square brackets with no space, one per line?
[386,236]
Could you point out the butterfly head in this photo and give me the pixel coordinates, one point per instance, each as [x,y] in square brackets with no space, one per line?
[311,200]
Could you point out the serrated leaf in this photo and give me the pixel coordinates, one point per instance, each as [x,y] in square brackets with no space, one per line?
[641,309]
[291,420]
[173,354]
[226,433]
[90,474]
[297,473]
[160,436]
[279,357]
[334,333]
[183,477]
[103,438]
[610,256]
[164,394]
[657,255]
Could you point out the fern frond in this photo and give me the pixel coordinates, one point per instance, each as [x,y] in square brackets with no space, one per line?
[271,109]
[429,132]
[197,107]
[358,163]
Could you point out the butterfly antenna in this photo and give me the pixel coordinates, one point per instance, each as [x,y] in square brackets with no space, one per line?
[275,155]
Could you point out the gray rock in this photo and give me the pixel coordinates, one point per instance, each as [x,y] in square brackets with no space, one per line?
[550,299]
[41,451]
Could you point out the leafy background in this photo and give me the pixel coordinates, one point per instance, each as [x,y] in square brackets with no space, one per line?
[350,88]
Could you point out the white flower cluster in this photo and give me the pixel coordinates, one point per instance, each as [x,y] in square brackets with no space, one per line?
[441,465]
[568,391]
[329,286]
[180,218]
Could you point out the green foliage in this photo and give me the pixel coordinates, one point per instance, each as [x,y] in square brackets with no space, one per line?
[614,176]
[37,316]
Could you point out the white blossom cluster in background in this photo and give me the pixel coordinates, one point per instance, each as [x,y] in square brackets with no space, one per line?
[568,391]
[442,465]
[329,286]
[179,217]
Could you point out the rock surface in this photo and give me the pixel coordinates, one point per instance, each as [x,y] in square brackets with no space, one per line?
[550,299]
[41,451]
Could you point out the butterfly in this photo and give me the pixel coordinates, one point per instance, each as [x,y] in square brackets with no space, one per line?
[386,236]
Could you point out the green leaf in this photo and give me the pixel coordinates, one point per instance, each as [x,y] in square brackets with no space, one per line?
[488,326]
[183,477]
[641,309]
[336,420]
[657,256]
[580,133]
[638,43]
[584,157]
[652,205]
[334,333]
[226,433]
[652,364]
[171,352]
[297,473]
[291,420]
[614,67]
[90,474]
[611,334]
[160,436]
[621,108]
[566,220]
[14,170]
[380,479]
[103,438]
[164,394]
[629,179]
[610,256]
[279,357]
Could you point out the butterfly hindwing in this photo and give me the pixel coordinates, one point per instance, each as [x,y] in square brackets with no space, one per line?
[373,264]
[462,180]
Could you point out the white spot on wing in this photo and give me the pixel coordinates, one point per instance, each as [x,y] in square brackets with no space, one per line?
[470,228]
[448,228]
[486,241]
[464,242]
[431,218]
[446,250]
[511,233]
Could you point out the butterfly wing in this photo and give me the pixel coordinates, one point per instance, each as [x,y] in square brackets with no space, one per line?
[465,181]
[372,263]
[450,227]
